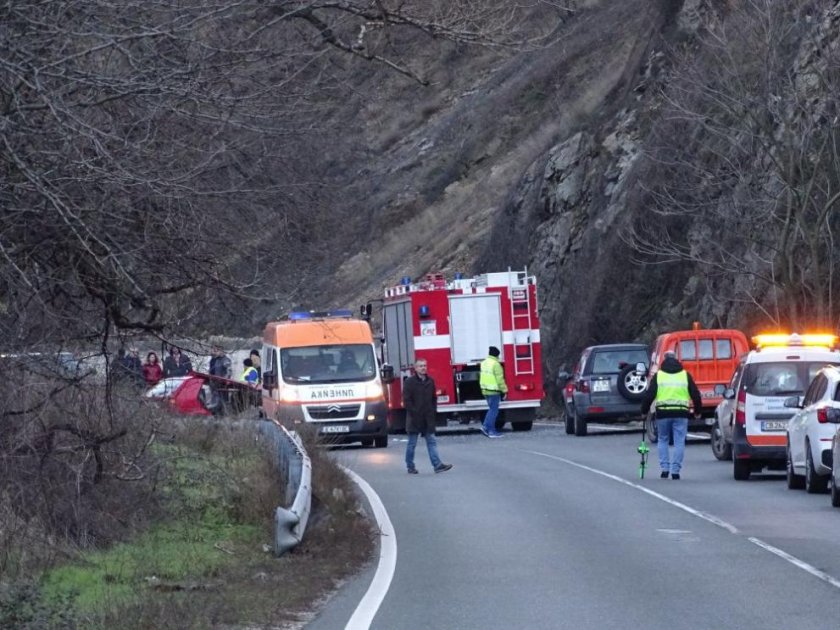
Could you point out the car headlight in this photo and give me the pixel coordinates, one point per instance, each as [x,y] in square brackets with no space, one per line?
[373,390]
[290,395]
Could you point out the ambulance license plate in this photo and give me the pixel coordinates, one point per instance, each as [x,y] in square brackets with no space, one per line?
[773,425]
[600,386]
[336,428]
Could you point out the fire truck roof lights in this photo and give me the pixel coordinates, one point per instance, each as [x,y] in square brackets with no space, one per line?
[345,313]
[783,340]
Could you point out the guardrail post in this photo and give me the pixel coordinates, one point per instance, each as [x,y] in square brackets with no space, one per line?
[292,460]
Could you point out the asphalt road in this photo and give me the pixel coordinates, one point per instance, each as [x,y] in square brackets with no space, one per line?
[546,530]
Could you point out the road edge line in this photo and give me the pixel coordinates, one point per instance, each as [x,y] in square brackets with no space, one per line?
[714,520]
[369,605]
[784,555]
[801,564]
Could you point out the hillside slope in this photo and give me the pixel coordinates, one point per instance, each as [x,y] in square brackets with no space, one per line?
[537,160]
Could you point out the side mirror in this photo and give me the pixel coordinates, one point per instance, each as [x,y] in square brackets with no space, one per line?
[387,374]
[719,389]
[792,402]
[832,415]
[563,377]
[365,310]
[269,380]
[641,368]
[729,393]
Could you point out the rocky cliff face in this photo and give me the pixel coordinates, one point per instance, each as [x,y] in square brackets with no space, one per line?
[537,160]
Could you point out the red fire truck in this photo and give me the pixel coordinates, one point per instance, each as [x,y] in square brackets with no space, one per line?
[452,324]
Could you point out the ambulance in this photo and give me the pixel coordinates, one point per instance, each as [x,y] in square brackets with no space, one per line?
[320,369]
[452,324]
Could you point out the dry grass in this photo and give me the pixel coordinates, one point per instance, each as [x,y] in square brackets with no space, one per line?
[168,522]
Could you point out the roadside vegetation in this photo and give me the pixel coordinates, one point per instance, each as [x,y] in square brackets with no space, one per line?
[186,543]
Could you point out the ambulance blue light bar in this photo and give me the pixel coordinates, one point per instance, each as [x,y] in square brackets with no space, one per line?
[296,316]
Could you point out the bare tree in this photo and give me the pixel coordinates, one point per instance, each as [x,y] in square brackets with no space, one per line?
[744,163]
[154,157]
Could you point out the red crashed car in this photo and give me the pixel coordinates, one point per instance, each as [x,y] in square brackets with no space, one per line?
[204,395]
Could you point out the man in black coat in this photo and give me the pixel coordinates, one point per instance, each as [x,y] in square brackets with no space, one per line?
[420,398]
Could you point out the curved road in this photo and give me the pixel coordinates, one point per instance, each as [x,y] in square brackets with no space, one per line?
[546,530]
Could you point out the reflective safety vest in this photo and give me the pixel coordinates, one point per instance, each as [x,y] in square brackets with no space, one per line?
[492,378]
[672,391]
[250,375]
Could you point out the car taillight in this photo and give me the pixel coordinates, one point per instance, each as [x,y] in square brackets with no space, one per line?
[583,387]
[741,407]
[822,415]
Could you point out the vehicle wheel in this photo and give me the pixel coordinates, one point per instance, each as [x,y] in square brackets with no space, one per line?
[580,425]
[794,481]
[381,442]
[631,384]
[521,419]
[721,449]
[741,469]
[814,483]
[835,495]
[367,442]
[569,419]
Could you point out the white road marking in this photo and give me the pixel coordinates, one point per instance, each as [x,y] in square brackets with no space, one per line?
[801,564]
[822,575]
[370,603]
[706,517]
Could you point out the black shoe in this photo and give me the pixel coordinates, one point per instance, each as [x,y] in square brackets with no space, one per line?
[412,471]
[443,468]
[675,476]
[664,475]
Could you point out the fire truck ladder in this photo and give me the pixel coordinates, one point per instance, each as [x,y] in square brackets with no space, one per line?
[520,317]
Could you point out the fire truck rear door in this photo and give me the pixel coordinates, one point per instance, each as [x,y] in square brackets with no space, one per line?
[475,325]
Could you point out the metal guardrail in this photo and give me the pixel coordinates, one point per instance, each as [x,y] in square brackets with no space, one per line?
[292,460]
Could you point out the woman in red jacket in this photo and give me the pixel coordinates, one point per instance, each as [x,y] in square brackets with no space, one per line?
[152,370]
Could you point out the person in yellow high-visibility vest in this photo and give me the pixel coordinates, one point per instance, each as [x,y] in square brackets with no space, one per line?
[674,391]
[493,387]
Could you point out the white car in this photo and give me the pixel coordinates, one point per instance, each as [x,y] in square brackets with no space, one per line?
[811,430]
[780,367]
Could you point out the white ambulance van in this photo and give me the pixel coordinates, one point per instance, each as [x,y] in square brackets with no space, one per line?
[321,369]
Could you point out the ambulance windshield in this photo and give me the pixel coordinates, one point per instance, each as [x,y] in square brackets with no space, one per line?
[328,364]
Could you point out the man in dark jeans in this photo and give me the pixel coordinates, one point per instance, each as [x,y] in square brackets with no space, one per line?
[420,400]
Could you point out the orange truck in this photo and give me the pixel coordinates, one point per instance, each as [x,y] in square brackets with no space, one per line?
[710,356]
[321,369]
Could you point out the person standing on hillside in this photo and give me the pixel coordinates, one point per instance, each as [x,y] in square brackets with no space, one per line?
[176,364]
[256,362]
[220,363]
[673,390]
[493,388]
[133,367]
[249,373]
[152,370]
[420,398]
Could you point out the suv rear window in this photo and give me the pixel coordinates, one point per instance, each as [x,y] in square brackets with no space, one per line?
[611,361]
[780,378]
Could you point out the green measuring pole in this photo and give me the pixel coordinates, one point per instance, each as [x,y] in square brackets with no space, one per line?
[643,451]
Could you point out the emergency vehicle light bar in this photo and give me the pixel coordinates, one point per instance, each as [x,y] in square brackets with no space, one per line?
[301,315]
[822,340]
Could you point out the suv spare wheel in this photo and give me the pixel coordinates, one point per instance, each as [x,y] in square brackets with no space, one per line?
[632,383]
